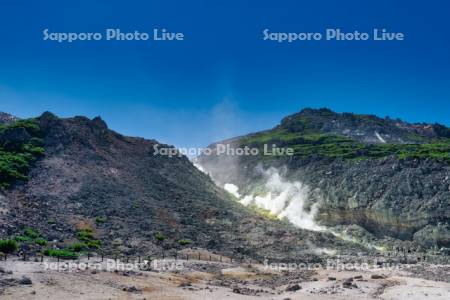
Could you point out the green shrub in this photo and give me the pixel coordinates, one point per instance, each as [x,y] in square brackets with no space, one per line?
[16,159]
[85,235]
[77,247]
[31,233]
[184,242]
[100,220]
[41,241]
[21,238]
[94,244]
[61,253]
[30,125]
[8,246]
[159,237]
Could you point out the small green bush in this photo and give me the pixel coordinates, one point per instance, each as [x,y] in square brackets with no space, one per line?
[16,160]
[61,253]
[94,244]
[31,233]
[30,125]
[8,246]
[85,235]
[21,238]
[41,241]
[77,247]
[184,242]
[159,237]
[100,220]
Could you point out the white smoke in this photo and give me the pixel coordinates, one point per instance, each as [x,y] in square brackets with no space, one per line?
[282,198]
[320,250]
[198,166]
[296,202]
[232,189]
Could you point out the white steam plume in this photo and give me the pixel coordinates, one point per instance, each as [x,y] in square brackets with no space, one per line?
[194,162]
[283,199]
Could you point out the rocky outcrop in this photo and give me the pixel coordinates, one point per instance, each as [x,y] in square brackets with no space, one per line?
[389,196]
[434,235]
[363,128]
[6,119]
[95,181]
[386,196]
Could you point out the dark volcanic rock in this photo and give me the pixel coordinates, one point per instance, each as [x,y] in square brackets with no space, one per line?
[293,288]
[90,173]
[433,235]
[364,128]
[406,199]
[25,280]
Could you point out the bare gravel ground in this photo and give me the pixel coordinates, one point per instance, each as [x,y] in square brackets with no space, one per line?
[215,280]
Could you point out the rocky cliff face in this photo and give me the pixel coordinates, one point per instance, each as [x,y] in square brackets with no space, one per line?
[96,186]
[6,119]
[390,177]
[363,128]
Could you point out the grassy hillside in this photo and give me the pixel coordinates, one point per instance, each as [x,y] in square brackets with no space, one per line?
[314,143]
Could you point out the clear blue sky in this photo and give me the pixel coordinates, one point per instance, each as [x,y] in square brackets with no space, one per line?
[223,80]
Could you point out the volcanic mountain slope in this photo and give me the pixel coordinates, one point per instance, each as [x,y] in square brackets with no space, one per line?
[6,119]
[364,128]
[387,176]
[95,186]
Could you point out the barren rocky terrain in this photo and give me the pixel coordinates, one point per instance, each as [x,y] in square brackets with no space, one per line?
[73,192]
[112,194]
[196,279]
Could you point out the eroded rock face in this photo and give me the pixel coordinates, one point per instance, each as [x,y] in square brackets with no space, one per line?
[406,198]
[93,177]
[364,128]
[430,235]
[387,197]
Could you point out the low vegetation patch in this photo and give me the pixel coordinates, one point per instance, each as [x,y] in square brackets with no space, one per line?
[335,146]
[77,247]
[40,241]
[159,237]
[100,220]
[61,253]
[20,147]
[31,233]
[94,244]
[184,242]
[22,239]
[87,237]
[8,246]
